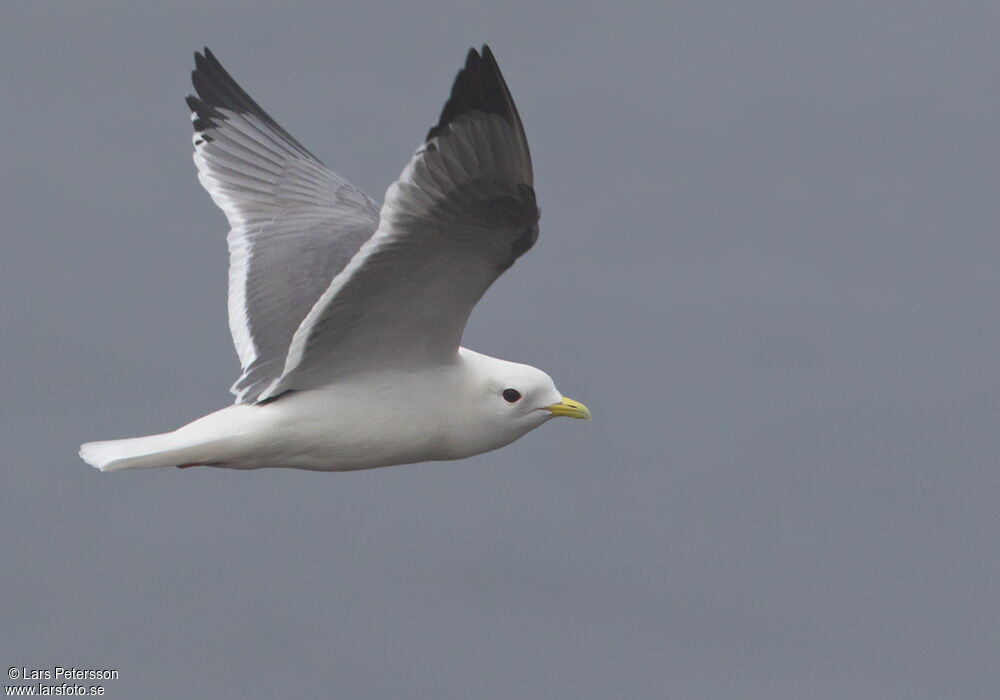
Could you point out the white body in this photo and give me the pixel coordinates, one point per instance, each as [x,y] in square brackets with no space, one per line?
[347,317]
[370,420]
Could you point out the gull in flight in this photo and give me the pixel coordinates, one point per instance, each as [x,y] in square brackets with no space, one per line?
[348,317]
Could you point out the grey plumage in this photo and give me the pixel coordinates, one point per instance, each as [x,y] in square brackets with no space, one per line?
[347,320]
[294,223]
[322,284]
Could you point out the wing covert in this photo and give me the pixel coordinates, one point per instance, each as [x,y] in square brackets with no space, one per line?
[294,224]
[462,211]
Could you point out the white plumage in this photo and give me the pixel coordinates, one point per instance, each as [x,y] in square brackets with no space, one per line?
[346,319]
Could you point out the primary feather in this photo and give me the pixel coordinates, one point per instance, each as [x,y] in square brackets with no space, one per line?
[294,224]
[348,318]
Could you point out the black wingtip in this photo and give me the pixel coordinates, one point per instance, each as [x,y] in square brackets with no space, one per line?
[216,87]
[203,117]
[487,54]
[217,90]
[479,86]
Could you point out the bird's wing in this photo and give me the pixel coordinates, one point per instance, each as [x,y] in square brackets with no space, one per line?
[460,214]
[294,224]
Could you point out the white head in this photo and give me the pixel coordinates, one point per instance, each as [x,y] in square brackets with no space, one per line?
[501,401]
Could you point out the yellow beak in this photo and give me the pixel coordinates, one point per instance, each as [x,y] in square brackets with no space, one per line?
[569,408]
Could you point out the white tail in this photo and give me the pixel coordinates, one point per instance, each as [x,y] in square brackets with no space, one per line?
[164,450]
[216,439]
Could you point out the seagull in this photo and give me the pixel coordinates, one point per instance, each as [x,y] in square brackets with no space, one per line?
[348,317]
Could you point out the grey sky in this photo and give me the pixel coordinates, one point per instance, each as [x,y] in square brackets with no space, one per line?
[768,263]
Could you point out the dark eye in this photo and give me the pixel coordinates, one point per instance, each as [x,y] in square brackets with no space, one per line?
[511,395]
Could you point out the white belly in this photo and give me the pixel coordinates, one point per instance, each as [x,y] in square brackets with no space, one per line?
[341,427]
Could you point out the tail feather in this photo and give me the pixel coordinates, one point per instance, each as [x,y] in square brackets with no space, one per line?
[136,453]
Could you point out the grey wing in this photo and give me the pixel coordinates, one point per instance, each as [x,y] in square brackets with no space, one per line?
[460,214]
[294,224]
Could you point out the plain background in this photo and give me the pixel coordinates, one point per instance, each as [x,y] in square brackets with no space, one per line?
[768,263]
